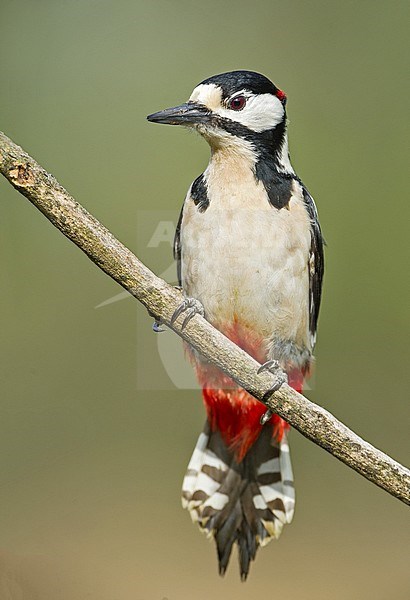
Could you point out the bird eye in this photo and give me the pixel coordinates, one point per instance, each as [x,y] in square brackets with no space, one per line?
[237,103]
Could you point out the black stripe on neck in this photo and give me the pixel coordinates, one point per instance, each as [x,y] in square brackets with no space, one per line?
[199,193]
[267,146]
[278,185]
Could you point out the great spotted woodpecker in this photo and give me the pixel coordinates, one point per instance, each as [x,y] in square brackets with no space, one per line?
[249,248]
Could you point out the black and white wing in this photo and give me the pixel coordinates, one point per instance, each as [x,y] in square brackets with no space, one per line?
[178,246]
[316,264]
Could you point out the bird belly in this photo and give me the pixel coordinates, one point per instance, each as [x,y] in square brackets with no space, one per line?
[248,266]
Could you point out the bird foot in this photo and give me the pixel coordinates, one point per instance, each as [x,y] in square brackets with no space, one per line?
[190,306]
[273,367]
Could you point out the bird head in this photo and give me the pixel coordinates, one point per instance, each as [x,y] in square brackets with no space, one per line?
[233,109]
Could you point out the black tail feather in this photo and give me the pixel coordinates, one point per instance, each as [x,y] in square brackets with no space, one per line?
[245,503]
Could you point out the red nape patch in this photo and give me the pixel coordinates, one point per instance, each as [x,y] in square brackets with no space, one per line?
[281,95]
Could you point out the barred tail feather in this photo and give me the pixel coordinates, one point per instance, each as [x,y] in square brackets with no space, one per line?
[246,502]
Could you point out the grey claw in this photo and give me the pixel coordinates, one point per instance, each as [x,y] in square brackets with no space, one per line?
[273,367]
[266,416]
[178,311]
[190,313]
[281,379]
[192,306]
[156,327]
[270,365]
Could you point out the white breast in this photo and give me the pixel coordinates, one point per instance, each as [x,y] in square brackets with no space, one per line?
[247,262]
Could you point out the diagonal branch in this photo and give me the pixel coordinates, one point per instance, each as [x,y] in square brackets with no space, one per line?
[161,299]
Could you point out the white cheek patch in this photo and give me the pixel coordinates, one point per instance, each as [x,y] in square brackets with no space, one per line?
[260,113]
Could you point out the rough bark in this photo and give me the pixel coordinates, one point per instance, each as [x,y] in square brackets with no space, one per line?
[161,299]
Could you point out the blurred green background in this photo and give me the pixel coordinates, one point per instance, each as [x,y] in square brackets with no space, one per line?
[94,436]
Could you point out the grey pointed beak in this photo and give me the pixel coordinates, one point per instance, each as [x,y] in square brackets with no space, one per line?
[189,113]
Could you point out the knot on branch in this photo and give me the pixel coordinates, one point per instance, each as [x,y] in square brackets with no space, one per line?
[22,175]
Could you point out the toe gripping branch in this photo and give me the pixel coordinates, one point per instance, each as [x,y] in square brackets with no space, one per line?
[273,367]
[190,306]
